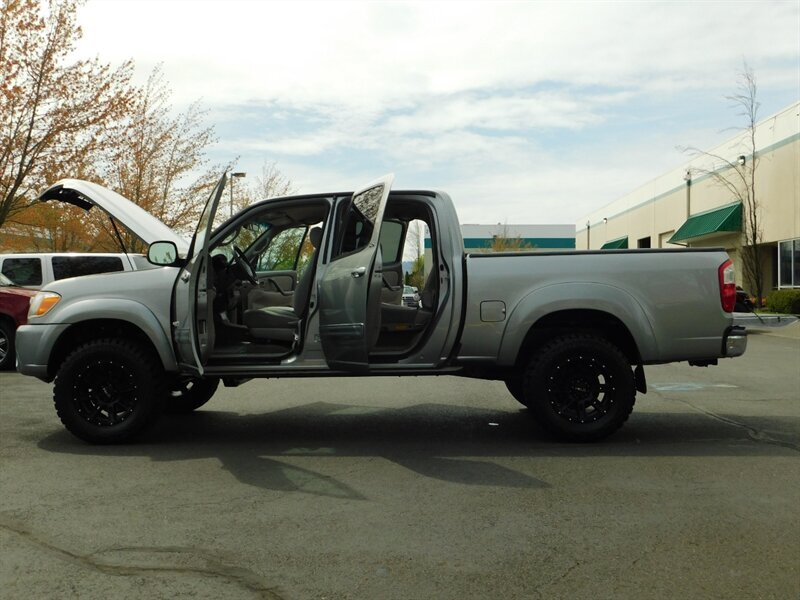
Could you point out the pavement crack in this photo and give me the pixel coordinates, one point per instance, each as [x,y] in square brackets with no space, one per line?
[139,560]
[754,434]
[553,580]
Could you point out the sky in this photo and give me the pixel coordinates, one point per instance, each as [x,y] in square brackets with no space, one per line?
[524,112]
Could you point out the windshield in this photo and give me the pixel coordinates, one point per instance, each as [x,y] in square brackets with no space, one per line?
[243,237]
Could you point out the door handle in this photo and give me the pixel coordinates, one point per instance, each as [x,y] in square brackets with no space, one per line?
[358,272]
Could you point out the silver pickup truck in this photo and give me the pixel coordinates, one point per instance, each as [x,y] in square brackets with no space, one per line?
[311,285]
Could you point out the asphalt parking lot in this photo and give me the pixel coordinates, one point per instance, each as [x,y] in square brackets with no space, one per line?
[414,488]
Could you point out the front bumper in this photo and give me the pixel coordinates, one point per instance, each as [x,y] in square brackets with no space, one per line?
[34,344]
[734,343]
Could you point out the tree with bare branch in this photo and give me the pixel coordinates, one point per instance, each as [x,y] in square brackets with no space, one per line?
[54,114]
[159,160]
[738,176]
[272,183]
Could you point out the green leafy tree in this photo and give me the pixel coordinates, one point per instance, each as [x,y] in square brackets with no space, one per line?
[503,242]
[416,276]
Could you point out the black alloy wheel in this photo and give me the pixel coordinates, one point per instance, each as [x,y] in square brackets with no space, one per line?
[580,387]
[107,391]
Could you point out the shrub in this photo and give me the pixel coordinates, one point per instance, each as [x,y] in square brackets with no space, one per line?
[784,301]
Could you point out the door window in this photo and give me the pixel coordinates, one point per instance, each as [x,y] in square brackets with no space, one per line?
[358,222]
[289,250]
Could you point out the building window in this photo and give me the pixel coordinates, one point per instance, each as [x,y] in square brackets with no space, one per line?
[789,264]
[643,242]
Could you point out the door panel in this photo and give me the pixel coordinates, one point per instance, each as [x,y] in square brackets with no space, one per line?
[194,294]
[349,290]
[284,281]
[392,290]
[274,288]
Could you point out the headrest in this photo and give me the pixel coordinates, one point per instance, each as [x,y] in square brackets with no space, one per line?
[315,236]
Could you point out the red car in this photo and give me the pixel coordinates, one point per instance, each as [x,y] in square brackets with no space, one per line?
[14,302]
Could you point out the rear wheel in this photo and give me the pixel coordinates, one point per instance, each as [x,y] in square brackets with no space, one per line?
[7,334]
[108,391]
[580,387]
[188,394]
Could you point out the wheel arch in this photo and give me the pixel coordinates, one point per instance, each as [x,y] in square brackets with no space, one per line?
[554,310]
[592,321]
[8,320]
[98,328]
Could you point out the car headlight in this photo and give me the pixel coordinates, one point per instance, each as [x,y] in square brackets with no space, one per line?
[41,304]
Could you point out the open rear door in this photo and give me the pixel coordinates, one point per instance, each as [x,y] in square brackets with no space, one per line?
[194,294]
[350,289]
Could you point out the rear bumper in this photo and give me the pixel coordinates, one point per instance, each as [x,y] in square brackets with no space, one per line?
[735,341]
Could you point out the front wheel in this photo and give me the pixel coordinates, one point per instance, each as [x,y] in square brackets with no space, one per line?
[580,387]
[108,391]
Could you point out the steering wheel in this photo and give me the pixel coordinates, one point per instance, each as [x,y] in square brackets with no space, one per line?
[244,266]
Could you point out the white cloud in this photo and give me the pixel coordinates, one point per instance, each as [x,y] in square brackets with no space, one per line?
[363,54]
[455,95]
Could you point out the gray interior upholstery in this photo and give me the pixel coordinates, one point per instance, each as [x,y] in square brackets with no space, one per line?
[401,317]
[281,322]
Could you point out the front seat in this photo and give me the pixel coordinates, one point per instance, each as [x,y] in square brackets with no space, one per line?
[280,323]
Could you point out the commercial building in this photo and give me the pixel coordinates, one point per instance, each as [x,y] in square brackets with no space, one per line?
[691,205]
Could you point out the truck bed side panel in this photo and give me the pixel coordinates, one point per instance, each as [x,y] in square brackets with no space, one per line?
[668,300]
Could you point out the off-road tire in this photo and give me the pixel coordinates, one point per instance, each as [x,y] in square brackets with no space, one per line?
[580,387]
[7,334]
[108,391]
[188,394]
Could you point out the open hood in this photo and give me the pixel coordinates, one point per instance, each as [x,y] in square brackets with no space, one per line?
[86,194]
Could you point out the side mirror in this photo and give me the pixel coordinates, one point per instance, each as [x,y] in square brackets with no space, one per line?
[162,253]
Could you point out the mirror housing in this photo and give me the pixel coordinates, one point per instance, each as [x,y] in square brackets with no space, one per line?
[163,254]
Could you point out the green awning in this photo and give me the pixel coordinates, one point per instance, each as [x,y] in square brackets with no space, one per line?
[618,244]
[720,220]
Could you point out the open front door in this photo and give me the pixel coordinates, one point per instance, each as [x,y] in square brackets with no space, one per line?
[350,289]
[194,294]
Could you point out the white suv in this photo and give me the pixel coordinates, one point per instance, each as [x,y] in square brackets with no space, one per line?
[34,270]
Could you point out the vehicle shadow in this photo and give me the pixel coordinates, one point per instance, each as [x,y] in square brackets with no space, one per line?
[444,442]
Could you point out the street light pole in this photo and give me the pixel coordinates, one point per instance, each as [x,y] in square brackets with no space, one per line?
[237,174]
[688,179]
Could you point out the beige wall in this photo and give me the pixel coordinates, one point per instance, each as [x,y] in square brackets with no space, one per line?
[658,208]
